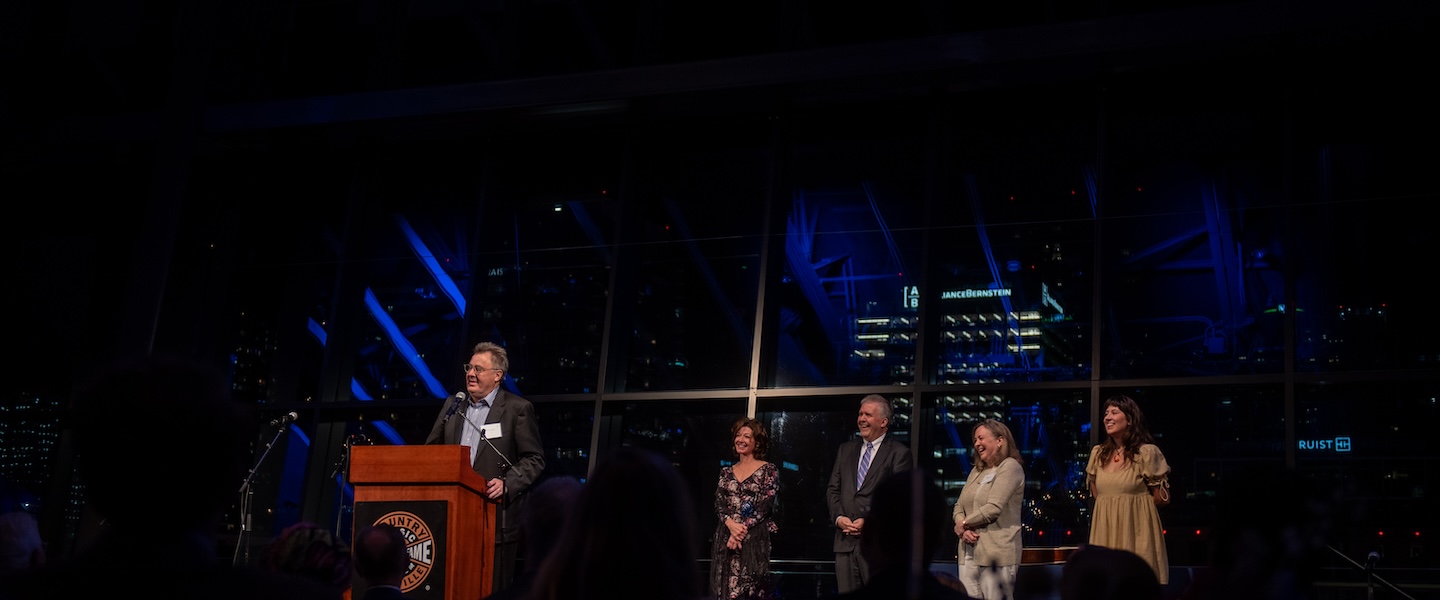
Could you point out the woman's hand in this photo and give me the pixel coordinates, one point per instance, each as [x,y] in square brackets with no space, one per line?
[736,529]
[970,536]
[1161,495]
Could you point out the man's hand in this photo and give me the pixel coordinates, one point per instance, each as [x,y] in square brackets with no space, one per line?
[494,488]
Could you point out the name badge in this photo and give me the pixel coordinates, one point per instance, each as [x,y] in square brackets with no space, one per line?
[491,431]
[986,479]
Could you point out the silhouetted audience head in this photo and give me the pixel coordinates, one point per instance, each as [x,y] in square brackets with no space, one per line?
[140,427]
[549,504]
[1100,573]
[381,555]
[904,503]
[633,535]
[310,551]
[21,548]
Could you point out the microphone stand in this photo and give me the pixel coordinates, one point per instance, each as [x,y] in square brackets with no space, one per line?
[247,496]
[504,502]
[343,466]
[503,468]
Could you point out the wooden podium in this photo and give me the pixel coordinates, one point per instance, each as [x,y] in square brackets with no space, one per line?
[434,496]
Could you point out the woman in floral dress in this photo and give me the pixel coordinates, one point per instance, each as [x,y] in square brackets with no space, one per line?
[744,504]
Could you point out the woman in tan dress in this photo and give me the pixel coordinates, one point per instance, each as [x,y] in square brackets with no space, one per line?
[1129,478]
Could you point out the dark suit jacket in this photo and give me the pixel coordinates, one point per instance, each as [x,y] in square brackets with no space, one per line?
[843,499]
[519,442]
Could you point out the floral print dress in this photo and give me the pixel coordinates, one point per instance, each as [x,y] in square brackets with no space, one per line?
[744,573]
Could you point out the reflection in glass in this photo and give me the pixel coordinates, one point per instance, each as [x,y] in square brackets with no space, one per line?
[846,294]
[1013,303]
[565,431]
[1012,243]
[1192,283]
[846,315]
[410,297]
[544,254]
[688,312]
[1360,302]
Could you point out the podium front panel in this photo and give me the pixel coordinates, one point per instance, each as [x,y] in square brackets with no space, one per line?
[424,524]
[434,489]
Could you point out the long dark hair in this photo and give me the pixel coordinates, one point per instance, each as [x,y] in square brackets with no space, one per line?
[1135,436]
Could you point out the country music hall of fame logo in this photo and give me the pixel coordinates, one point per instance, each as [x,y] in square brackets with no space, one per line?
[419,544]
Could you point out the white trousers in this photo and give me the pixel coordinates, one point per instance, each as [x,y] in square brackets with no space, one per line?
[987,583]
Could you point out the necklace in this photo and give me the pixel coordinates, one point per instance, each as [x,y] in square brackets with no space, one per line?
[1119,456]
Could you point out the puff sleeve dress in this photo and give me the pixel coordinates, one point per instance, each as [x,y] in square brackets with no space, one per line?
[1125,514]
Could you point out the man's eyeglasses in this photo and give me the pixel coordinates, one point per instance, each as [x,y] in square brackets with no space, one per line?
[469,367]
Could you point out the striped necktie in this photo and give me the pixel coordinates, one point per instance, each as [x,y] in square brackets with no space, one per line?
[864,464]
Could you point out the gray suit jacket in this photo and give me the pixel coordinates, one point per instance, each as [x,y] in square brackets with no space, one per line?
[519,441]
[843,499]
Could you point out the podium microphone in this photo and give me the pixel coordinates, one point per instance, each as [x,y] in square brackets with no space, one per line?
[285,420]
[454,406]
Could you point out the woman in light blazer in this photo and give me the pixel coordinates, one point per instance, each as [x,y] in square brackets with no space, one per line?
[987,514]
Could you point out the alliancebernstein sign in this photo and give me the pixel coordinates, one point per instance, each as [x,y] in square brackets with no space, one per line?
[910,294]
[974,293]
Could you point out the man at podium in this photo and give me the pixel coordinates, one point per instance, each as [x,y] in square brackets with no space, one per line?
[503,435]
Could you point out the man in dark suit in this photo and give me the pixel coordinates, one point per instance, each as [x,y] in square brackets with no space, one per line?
[860,465]
[504,439]
[381,561]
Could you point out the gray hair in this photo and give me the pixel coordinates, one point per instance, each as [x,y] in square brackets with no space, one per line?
[886,409]
[499,358]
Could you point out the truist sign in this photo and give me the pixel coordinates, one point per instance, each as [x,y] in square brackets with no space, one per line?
[1339,444]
